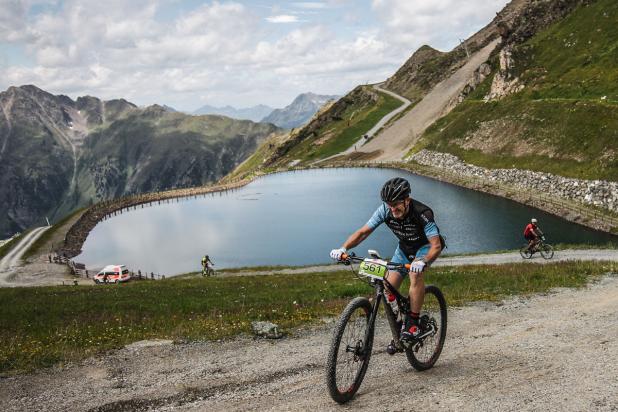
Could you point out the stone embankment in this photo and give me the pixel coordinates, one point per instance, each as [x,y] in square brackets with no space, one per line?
[595,192]
[76,235]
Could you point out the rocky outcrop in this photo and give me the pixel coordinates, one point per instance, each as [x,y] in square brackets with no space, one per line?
[480,74]
[504,81]
[596,192]
[410,76]
[536,16]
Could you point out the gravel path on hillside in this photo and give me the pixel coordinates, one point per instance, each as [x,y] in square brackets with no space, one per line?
[552,352]
[487,259]
[12,259]
[42,273]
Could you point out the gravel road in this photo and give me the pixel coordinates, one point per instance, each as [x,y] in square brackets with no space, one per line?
[486,259]
[553,352]
[11,260]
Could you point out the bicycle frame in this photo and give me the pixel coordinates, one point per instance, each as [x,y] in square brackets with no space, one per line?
[380,296]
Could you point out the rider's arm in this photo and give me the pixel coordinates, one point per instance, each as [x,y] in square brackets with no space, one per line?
[435,248]
[433,236]
[539,232]
[361,234]
[357,237]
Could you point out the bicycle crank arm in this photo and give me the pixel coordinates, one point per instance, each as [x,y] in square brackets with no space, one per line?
[419,339]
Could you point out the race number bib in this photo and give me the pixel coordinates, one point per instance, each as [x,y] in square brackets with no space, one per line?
[373,267]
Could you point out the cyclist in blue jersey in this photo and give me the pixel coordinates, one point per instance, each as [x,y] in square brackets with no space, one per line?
[420,243]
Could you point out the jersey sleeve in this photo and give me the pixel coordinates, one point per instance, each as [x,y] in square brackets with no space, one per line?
[430,227]
[379,216]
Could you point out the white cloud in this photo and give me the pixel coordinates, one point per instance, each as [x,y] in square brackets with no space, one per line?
[282,18]
[439,23]
[312,5]
[13,25]
[222,51]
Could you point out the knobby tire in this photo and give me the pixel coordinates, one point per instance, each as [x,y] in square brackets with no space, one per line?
[547,251]
[525,252]
[423,355]
[346,368]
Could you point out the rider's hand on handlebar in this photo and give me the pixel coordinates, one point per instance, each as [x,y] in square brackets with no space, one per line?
[336,254]
[417,266]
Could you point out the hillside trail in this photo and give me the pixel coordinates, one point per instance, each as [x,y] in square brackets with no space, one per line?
[481,259]
[551,352]
[400,136]
[42,273]
[11,260]
[376,128]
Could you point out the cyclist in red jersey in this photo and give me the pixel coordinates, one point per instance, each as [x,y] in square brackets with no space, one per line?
[532,233]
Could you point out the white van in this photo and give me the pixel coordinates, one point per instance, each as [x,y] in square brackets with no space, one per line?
[112,274]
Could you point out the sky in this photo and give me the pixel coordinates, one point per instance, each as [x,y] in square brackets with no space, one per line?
[186,54]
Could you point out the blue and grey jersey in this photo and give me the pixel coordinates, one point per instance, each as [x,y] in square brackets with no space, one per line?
[413,231]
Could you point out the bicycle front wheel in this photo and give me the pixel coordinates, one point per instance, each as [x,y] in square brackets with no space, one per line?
[423,354]
[349,353]
[547,251]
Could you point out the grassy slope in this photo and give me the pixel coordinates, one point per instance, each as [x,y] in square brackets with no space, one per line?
[54,236]
[334,137]
[569,104]
[46,325]
[356,122]
[8,246]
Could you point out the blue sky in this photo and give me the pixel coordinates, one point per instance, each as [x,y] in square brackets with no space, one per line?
[189,53]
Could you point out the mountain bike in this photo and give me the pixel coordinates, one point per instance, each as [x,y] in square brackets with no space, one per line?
[546,250]
[352,341]
[208,271]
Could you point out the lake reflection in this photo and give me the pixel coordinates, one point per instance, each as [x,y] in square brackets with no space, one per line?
[296,218]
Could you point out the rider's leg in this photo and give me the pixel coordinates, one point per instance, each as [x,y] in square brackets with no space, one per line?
[412,327]
[417,284]
[394,277]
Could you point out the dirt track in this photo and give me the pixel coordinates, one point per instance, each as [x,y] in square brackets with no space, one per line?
[401,135]
[549,352]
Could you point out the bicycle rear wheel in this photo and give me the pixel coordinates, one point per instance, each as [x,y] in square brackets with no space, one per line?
[547,251]
[423,355]
[349,354]
[525,252]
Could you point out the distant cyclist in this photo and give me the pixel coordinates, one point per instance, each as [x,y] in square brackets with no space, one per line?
[532,233]
[419,242]
[205,261]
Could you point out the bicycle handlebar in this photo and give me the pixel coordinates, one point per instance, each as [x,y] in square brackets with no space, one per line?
[346,259]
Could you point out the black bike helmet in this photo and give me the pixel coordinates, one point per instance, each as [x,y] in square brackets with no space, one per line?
[395,189]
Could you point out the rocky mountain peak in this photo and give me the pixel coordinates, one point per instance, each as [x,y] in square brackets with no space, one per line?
[297,113]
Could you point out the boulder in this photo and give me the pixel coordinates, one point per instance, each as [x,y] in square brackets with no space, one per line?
[267,330]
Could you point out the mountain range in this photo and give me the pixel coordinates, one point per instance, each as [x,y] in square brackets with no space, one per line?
[57,154]
[299,111]
[296,114]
